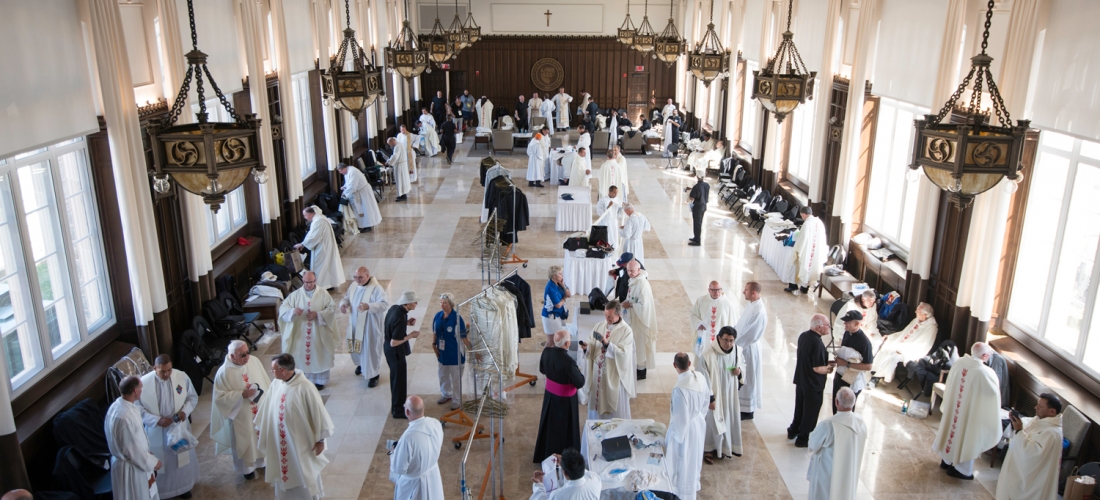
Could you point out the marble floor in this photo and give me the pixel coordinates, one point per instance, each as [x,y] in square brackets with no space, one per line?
[425,245]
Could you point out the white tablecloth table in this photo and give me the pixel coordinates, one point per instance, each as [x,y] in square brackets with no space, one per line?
[592,450]
[558,172]
[575,214]
[781,258]
[582,274]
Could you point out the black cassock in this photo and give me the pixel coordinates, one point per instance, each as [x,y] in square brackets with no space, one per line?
[560,425]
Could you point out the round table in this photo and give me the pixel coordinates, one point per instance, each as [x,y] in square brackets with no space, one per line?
[575,214]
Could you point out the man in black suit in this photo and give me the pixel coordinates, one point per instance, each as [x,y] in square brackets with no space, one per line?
[697,199]
[811,366]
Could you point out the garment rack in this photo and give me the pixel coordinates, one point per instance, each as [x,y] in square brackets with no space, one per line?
[515,235]
[523,378]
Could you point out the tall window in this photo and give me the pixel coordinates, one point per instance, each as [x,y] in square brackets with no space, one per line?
[891,199]
[749,115]
[1055,284]
[304,112]
[232,215]
[802,139]
[53,282]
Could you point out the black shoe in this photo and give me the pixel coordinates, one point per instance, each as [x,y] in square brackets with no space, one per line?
[791,288]
[791,434]
[640,375]
[358,370]
[943,465]
[373,382]
[401,416]
[250,476]
[798,443]
[804,289]
[186,496]
[693,243]
[530,184]
[746,415]
[402,197]
[319,387]
[953,472]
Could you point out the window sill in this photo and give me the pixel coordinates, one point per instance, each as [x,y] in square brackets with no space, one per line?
[1035,370]
[237,257]
[795,193]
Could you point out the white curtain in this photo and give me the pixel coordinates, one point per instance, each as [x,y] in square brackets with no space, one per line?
[909,46]
[1068,80]
[324,40]
[298,35]
[46,94]
[286,92]
[216,27]
[985,242]
[928,194]
[827,60]
[251,28]
[756,14]
[866,31]
[139,231]
[193,210]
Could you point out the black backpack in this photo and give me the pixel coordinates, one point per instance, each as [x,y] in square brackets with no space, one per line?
[597,300]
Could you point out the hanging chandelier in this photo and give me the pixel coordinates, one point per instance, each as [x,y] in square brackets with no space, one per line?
[353,88]
[627,30]
[784,83]
[404,55]
[669,44]
[209,159]
[644,39]
[470,26]
[459,37]
[709,60]
[968,158]
[440,47]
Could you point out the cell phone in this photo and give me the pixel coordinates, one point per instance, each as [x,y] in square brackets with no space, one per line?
[597,336]
[1014,413]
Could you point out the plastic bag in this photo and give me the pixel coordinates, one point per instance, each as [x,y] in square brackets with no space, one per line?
[179,438]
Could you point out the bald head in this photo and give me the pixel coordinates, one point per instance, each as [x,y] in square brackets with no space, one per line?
[18,495]
[982,351]
[633,269]
[309,280]
[820,324]
[362,276]
[561,339]
[414,407]
[714,289]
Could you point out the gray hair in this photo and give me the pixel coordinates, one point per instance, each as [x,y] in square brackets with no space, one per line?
[926,307]
[285,361]
[628,206]
[564,339]
[869,294]
[819,320]
[449,298]
[981,349]
[845,398]
[128,385]
[554,270]
[235,345]
[614,305]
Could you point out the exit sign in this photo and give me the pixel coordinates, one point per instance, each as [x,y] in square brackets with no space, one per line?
[445,66]
[639,68]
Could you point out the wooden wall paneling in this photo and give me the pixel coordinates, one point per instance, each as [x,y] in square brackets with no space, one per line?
[952,228]
[320,148]
[838,104]
[103,179]
[278,174]
[865,159]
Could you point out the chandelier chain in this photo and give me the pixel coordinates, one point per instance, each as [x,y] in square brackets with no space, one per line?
[221,96]
[955,97]
[988,23]
[711,11]
[191,19]
[790,6]
[181,98]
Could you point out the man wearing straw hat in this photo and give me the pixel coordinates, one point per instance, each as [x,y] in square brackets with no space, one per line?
[396,347]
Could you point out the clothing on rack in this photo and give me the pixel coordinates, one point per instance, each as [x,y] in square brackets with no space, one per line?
[493,172]
[495,327]
[525,315]
[511,206]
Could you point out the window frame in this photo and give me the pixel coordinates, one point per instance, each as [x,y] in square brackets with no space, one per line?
[234,200]
[300,94]
[748,130]
[891,242]
[45,356]
[1074,159]
[806,145]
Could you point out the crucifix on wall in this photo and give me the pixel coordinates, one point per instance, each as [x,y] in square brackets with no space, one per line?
[548,14]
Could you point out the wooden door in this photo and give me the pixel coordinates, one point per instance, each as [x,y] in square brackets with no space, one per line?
[637,97]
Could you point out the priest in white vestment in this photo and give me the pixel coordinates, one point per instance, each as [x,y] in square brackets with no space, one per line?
[414,468]
[837,446]
[544,150]
[641,314]
[720,364]
[668,110]
[307,319]
[695,160]
[536,162]
[609,366]
[687,427]
[811,250]
[132,464]
[909,344]
[613,131]
[575,482]
[428,135]
[708,315]
[579,172]
[610,201]
[365,304]
[1030,469]
[971,421]
[399,161]
[360,196]
[324,253]
[584,141]
[546,109]
[635,225]
[865,303]
[613,173]
[239,385]
[405,144]
[534,106]
[293,424]
[750,329]
[609,218]
[561,103]
[167,399]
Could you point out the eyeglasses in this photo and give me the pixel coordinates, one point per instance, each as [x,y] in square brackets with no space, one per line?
[715,289]
[310,282]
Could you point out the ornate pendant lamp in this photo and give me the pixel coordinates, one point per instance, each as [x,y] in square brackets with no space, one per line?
[440,47]
[459,37]
[709,60]
[404,55]
[470,26]
[356,88]
[645,39]
[785,82]
[669,43]
[966,159]
[209,159]
[627,30]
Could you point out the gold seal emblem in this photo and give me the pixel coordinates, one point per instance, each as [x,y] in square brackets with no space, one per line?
[547,74]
